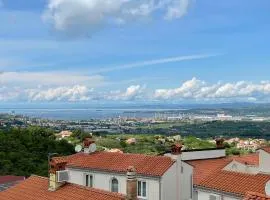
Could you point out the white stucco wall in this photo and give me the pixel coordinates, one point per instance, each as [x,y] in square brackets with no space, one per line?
[177,182]
[102,180]
[264,161]
[239,167]
[197,155]
[170,184]
[186,182]
[202,195]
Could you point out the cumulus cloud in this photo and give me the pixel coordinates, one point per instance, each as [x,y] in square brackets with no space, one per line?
[133,92]
[75,93]
[80,17]
[200,90]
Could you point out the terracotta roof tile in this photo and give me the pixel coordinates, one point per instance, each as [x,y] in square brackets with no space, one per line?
[9,179]
[255,196]
[249,159]
[223,181]
[37,188]
[266,149]
[207,167]
[118,162]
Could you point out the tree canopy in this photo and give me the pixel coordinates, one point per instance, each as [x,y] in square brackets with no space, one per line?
[24,151]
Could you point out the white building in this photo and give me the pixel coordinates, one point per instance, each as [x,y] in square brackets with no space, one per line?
[158,177]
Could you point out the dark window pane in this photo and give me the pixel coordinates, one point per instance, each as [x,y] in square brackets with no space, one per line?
[86,180]
[139,188]
[114,186]
[91,181]
[144,189]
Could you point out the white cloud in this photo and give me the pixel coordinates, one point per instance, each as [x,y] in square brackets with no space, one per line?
[75,93]
[200,90]
[80,17]
[177,9]
[29,79]
[133,92]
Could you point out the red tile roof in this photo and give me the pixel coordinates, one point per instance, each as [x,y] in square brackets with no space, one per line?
[250,159]
[118,162]
[207,167]
[235,182]
[9,179]
[256,196]
[266,149]
[37,188]
[204,168]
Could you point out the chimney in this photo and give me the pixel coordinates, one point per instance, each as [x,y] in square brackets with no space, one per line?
[176,149]
[220,143]
[131,184]
[55,166]
[87,143]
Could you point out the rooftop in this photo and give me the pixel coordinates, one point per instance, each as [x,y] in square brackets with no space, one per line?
[256,196]
[36,187]
[266,149]
[222,181]
[9,179]
[118,162]
[207,167]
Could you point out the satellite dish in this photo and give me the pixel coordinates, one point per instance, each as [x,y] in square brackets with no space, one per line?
[92,147]
[78,148]
[267,188]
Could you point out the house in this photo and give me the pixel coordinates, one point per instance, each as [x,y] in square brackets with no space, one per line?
[64,134]
[36,188]
[9,181]
[158,177]
[231,178]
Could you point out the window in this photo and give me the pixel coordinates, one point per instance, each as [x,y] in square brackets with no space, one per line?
[88,178]
[213,197]
[114,185]
[141,189]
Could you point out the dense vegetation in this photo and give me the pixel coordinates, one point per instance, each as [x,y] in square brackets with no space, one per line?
[244,129]
[24,151]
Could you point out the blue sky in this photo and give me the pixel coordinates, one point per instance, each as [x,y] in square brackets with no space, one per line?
[143,50]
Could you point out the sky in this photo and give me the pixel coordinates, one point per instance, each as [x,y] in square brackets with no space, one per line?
[171,51]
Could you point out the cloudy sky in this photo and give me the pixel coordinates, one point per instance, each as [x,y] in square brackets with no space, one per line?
[134,50]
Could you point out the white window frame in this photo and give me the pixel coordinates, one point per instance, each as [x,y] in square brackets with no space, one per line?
[89,182]
[111,184]
[146,189]
[215,195]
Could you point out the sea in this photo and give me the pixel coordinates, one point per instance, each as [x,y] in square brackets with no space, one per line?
[88,112]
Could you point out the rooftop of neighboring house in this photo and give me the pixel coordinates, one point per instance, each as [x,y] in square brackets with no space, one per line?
[209,174]
[36,187]
[206,167]
[8,181]
[235,183]
[256,196]
[118,162]
[10,178]
[266,149]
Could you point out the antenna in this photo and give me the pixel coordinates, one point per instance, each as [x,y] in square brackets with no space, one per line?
[78,148]
[267,188]
[92,147]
